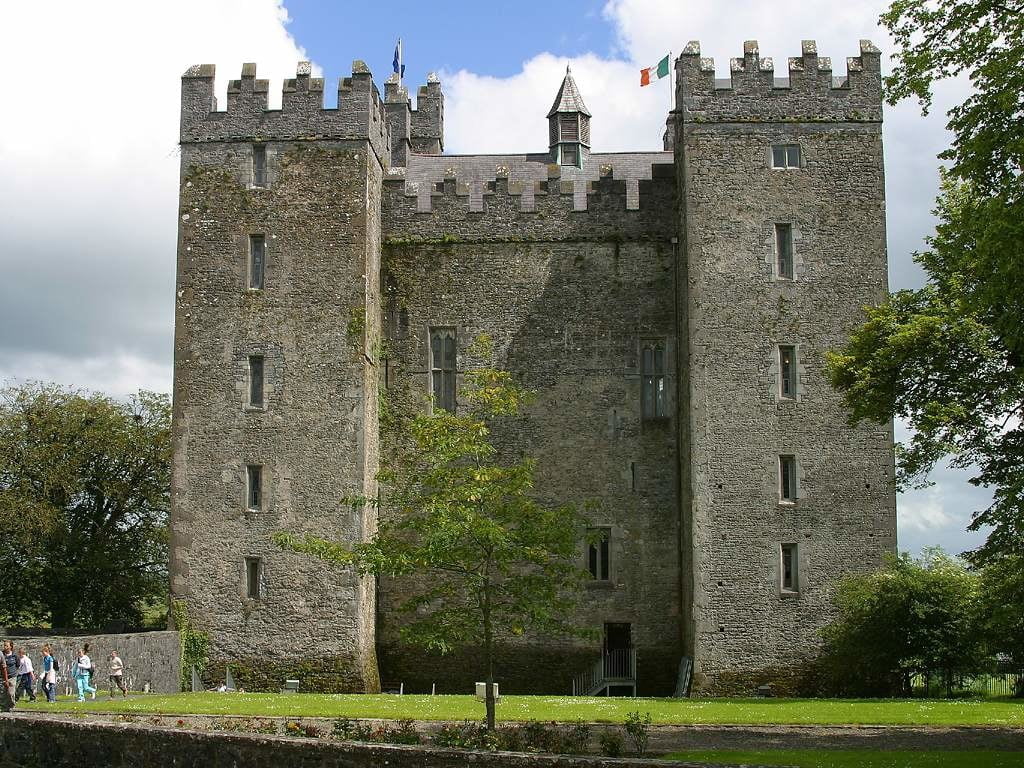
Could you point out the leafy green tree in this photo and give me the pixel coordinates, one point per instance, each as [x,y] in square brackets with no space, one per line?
[1002,599]
[949,358]
[912,617]
[491,562]
[84,497]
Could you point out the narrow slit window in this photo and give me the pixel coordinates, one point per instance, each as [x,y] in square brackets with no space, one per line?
[257,261]
[787,478]
[785,156]
[787,372]
[598,553]
[256,381]
[259,165]
[790,568]
[784,250]
[653,393]
[254,481]
[442,367]
[253,573]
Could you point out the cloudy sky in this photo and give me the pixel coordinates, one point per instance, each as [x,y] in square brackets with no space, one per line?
[88,155]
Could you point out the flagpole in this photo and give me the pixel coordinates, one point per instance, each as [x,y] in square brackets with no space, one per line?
[671,89]
[400,54]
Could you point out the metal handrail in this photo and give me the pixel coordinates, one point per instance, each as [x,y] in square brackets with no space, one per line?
[618,665]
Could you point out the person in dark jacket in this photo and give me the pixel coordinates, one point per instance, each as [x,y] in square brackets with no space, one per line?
[9,672]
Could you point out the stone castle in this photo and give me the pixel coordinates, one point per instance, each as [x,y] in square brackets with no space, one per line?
[672,310]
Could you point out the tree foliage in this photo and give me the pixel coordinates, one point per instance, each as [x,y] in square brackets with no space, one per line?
[84,497]
[490,561]
[913,617]
[948,358]
[1002,610]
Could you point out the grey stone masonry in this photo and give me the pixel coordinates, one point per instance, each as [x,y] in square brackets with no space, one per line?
[747,624]
[718,273]
[152,660]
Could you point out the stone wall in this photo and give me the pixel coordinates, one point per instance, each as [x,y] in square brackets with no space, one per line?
[567,297]
[747,629]
[315,434]
[45,743]
[152,659]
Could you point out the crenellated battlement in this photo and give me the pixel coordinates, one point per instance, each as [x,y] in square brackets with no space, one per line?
[360,114]
[753,93]
[554,207]
[419,130]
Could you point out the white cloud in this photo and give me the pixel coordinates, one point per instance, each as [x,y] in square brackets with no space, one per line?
[89,169]
[119,374]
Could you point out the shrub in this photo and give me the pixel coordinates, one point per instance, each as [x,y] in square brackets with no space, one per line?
[638,729]
[466,735]
[611,743]
[576,739]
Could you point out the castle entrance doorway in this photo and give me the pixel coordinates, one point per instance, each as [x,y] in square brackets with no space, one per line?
[618,642]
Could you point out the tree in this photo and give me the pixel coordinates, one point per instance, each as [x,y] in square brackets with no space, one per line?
[1002,599]
[491,560]
[948,358]
[84,497]
[912,617]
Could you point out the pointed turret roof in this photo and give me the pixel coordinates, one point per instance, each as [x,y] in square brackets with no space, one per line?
[568,98]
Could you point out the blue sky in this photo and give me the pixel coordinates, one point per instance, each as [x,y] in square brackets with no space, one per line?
[89,166]
[487,38]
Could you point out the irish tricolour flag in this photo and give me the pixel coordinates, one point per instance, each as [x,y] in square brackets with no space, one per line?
[660,71]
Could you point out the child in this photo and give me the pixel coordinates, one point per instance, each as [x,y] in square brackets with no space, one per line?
[26,676]
[117,674]
[83,668]
[49,675]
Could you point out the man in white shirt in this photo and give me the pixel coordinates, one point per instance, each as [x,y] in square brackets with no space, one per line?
[26,676]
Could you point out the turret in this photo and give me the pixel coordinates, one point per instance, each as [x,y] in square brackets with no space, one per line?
[569,124]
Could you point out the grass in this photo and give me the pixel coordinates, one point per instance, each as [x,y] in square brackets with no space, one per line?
[857,758]
[937,712]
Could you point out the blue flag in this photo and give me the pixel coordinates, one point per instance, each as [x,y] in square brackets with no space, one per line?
[397,64]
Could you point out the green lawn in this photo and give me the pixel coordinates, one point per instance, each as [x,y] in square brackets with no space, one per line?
[858,758]
[997,712]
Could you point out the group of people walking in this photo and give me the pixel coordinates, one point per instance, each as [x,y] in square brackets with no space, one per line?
[19,675]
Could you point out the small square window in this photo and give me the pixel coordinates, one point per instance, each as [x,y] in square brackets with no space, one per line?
[784,251]
[790,568]
[257,261]
[785,156]
[570,154]
[598,553]
[259,165]
[254,490]
[256,381]
[787,478]
[787,372]
[253,577]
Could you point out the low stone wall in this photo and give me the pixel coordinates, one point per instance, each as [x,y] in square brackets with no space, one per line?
[27,742]
[151,659]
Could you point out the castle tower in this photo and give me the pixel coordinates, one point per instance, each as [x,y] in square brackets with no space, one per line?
[277,321]
[782,230]
[569,125]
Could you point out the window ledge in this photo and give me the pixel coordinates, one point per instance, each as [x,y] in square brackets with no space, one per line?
[255,408]
[601,584]
[788,594]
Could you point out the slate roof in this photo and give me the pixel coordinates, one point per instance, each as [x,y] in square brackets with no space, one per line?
[568,98]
